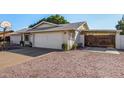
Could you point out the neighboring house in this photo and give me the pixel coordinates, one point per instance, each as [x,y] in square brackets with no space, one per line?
[7,36]
[49,35]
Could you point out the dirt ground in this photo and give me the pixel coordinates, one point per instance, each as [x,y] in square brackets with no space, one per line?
[70,64]
[17,56]
[9,59]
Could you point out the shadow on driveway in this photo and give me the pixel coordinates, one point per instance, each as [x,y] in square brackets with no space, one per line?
[33,52]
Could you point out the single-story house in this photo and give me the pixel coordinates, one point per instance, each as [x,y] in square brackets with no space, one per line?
[50,35]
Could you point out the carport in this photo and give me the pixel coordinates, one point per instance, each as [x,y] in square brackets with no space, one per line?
[100,38]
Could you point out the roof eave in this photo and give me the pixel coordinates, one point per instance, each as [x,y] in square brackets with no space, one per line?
[53,30]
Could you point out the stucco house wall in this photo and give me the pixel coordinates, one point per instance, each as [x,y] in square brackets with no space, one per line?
[52,37]
[15,39]
[119,41]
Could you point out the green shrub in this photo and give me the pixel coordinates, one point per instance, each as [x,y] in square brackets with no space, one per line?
[65,46]
[121,33]
[79,45]
[74,46]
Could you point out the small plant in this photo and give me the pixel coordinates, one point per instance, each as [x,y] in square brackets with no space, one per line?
[65,46]
[80,45]
[74,46]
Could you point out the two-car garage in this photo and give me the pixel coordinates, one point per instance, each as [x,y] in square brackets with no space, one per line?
[49,40]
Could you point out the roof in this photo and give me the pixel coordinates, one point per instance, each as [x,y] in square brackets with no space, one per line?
[20,31]
[7,33]
[23,30]
[42,23]
[60,27]
[55,27]
[1,32]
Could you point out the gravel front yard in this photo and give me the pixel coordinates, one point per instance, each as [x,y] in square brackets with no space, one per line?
[76,63]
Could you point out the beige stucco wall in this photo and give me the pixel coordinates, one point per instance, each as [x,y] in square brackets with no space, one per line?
[121,41]
[15,39]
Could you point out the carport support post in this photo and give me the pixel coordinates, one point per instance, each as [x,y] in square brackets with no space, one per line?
[4,30]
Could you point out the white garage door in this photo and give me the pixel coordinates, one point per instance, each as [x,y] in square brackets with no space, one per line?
[48,40]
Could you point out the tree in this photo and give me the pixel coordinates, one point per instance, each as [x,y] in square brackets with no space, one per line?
[57,19]
[120,25]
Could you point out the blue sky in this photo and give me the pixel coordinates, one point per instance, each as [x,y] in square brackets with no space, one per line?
[95,21]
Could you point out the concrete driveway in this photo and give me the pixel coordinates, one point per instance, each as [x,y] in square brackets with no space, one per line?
[32,52]
[17,56]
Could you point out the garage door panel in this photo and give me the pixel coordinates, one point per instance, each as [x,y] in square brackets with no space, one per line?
[49,40]
[39,40]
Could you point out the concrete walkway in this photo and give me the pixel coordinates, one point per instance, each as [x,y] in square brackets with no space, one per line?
[102,50]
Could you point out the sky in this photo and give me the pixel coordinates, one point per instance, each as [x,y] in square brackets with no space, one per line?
[94,21]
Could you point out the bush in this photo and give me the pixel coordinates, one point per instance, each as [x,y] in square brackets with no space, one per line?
[74,46]
[121,33]
[65,47]
[79,45]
